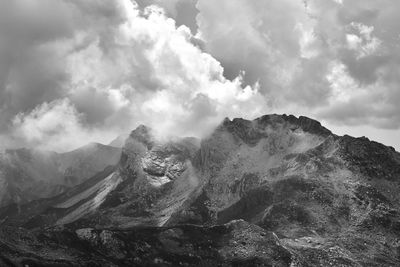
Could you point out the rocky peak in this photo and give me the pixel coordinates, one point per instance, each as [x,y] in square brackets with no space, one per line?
[252,131]
[246,130]
[156,162]
[144,135]
[305,123]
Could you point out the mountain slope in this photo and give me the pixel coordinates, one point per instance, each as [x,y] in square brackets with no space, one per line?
[28,174]
[148,171]
[295,178]
[326,199]
[155,178]
[119,141]
[233,244]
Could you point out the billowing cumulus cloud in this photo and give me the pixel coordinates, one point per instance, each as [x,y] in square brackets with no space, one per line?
[73,71]
[337,61]
[273,41]
[362,74]
[184,12]
[54,125]
[102,68]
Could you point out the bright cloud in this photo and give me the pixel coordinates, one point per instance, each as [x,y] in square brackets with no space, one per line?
[181,66]
[116,68]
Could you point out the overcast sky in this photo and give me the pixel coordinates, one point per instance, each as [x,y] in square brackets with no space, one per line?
[74,71]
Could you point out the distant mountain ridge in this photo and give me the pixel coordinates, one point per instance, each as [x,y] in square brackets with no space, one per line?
[119,141]
[322,199]
[29,174]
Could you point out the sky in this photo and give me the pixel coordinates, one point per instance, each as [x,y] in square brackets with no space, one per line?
[74,71]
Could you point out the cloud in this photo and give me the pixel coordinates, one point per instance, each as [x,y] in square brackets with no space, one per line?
[333,60]
[50,125]
[180,66]
[112,67]
[365,49]
[184,12]
[274,42]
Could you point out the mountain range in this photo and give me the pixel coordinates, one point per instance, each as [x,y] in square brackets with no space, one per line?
[279,190]
[30,174]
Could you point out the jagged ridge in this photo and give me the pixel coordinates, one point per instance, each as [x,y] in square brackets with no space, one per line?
[328,199]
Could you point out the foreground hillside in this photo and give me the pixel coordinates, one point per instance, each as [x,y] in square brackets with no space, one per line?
[275,191]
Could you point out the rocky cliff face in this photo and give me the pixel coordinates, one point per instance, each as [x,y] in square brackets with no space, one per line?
[152,180]
[157,178]
[298,195]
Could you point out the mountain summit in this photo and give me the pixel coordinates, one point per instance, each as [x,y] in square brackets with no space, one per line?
[278,190]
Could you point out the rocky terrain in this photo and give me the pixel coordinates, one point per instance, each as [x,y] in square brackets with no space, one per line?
[275,191]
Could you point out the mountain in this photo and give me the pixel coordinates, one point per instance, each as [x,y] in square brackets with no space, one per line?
[124,196]
[275,191]
[29,174]
[119,141]
[86,161]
